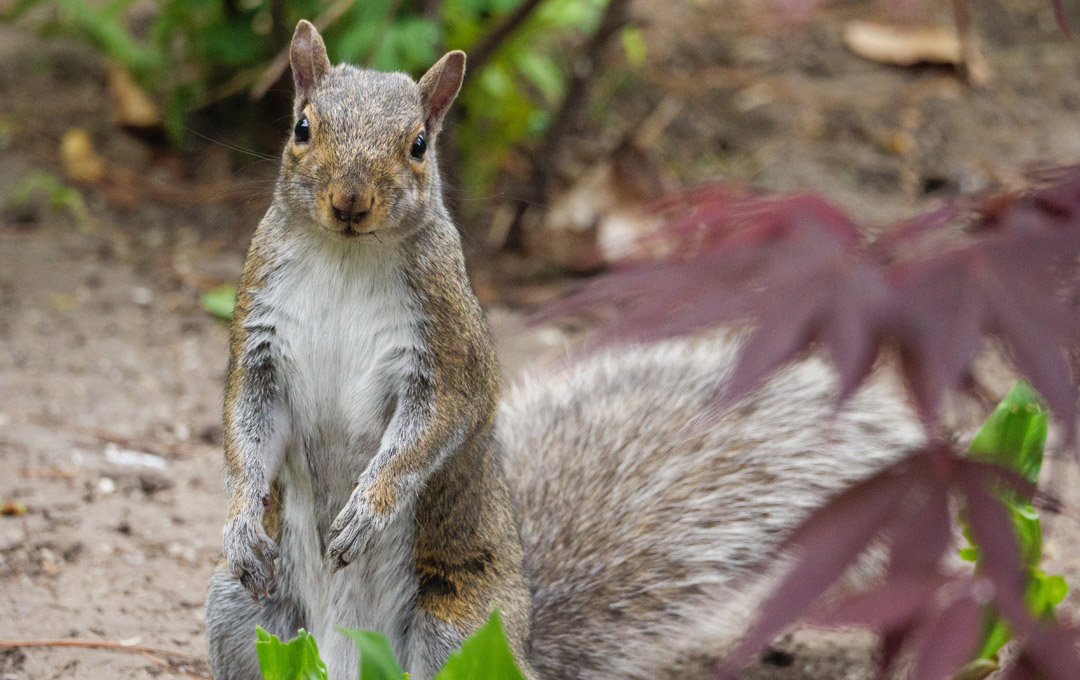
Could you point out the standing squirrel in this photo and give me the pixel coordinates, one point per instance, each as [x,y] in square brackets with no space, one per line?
[611,515]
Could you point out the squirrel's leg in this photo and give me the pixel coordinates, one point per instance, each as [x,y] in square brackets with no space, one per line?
[468,558]
[417,440]
[231,616]
[431,642]
[256,431]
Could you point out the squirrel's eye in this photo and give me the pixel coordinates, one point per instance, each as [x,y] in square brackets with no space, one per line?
[419,146]
[302,131]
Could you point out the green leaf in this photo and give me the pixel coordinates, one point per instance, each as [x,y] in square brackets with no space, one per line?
[60,197]
[543,73]
[409,45]
[220,301]
[298,659]
[377,660]
[1013,437]
[633,43]
[484,656]
[1014,433]
[996,633]
[1045,592]
[1028,531]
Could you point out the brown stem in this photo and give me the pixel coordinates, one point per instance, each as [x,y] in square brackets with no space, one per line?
[486,46]
[281,30]
[568,118]
[97,644]
[431,8]
[272,73]
[972,61]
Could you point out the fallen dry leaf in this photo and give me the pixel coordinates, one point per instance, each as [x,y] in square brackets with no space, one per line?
[81,162]
[62,302]
[605,216]
[903,45]
[13,509]
[133,107]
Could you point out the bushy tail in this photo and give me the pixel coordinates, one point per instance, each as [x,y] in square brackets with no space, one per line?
[648,516]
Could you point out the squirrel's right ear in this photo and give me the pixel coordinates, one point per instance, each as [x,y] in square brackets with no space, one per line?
[308,57]
[439,87]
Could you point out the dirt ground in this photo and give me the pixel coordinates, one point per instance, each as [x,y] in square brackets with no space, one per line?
[111,372]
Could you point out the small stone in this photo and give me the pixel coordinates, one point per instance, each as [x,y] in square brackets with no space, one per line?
[142,296]
[106,486]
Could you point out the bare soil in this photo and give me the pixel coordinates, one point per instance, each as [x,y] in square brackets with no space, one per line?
[111,372]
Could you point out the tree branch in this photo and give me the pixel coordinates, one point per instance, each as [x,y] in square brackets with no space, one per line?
[489,44]
[279,63]
[98,644]
[568,118]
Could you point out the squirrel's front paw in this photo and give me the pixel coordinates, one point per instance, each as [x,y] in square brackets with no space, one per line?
[353,530]
[250,553]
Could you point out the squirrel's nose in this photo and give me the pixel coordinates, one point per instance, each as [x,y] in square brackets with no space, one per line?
[351,206]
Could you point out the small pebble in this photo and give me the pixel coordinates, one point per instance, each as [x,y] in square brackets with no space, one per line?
[106,486]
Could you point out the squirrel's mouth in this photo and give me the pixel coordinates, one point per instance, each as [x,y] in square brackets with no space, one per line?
[349,232]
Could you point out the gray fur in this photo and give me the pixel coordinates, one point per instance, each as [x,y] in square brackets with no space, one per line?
[648,517]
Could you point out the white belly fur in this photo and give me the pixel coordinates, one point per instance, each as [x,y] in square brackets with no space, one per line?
[347,332]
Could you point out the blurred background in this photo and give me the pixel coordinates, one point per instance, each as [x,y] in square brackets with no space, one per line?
[138,149]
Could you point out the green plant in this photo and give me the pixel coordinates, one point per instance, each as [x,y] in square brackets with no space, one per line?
[297,659]
[485,655]
[220,301]
[194,52]
[1013,436]
[59,196]
[509,102]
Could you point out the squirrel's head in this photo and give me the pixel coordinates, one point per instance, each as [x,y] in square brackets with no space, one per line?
[360,160]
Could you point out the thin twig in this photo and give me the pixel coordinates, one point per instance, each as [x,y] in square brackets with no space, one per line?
[568,117]
[165,664]
[281,62]
[431,8]
[972,61]
[484,48]
[98,644]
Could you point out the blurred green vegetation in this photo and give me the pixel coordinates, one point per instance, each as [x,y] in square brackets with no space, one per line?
[59,197]
[189,54]
[1013,436]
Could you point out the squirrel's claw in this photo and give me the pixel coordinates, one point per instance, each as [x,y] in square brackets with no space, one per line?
[336,563]
[250,554]
[352,532]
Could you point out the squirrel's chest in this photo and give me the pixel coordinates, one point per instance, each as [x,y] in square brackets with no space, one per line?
[347,335]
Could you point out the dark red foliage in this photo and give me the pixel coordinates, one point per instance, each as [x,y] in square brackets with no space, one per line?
[797,269]
[948,640]
[934,289]
[1062,20]
[918,607]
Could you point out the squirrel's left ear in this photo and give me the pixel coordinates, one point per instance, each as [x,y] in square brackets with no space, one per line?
[439,87]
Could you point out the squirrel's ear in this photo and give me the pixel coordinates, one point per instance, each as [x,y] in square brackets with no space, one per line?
[439,87]
[308,57]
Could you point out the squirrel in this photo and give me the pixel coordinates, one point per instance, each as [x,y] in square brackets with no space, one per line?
[608,511]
